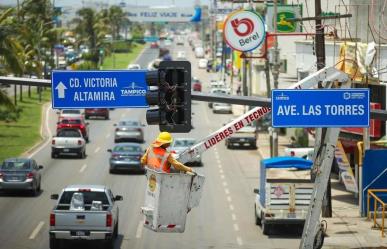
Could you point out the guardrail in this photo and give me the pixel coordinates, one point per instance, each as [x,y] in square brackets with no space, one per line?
[383,205]
[230,99]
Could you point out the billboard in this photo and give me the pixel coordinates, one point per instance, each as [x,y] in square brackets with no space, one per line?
[283,13]
[173,14]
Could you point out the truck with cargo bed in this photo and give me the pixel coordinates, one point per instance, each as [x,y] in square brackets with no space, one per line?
[84,212]
[285,192]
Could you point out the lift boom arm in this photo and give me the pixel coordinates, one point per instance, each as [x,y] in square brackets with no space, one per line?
[325,75]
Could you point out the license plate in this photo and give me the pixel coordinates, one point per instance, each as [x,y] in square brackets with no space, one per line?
[80,233]
[292,215]
[242,139]
[66,150]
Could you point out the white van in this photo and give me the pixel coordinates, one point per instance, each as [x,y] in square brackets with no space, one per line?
[199,52]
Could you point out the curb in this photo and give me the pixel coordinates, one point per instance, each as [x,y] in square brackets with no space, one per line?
[43,136]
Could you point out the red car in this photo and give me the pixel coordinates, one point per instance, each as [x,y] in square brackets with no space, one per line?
[196,85]
[97,112]
[74,123]
[154,45]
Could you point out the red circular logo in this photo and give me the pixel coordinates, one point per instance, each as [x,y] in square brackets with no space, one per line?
[249,25]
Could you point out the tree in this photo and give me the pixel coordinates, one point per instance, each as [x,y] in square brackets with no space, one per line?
[117,19]
[85,28]
[10,49]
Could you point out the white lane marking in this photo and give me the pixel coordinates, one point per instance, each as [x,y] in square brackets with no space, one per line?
[236,227]
[48,133]
[139,229]
[233,217]
[229,199]
[239,241]
[224,183]
[219,166]
[108,135]
[217,156]
[222,176]
[83,168]
[97,149]
[221,171]
[36,230]
[218,160]
[227,191]
[231,207]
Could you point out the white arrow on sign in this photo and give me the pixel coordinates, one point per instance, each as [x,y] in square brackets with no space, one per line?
[61,90]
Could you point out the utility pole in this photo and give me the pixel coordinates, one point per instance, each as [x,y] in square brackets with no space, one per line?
[320,58]
[275,72]
[244,79]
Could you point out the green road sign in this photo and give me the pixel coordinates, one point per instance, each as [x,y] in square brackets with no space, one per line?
[283,25]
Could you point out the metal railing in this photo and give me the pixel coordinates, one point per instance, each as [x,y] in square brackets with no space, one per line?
[383,205]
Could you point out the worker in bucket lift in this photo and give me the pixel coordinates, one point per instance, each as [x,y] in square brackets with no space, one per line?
[158,158]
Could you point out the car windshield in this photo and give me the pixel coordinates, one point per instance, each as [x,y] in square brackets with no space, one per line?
[129,123]
[69,133]
[71,121]
[71,112]
[15,165]
[183,143]
[127,148]
[88,197]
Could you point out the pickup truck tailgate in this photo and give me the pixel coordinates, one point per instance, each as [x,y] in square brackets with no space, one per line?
[66,142]
[85,220]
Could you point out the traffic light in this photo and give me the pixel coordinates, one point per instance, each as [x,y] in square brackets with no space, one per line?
[170,89]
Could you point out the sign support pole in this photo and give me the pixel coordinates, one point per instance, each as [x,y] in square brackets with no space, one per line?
[275,72]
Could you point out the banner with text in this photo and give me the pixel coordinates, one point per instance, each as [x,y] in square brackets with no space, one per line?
[164,14]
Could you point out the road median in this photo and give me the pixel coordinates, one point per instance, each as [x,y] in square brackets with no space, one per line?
[24,134]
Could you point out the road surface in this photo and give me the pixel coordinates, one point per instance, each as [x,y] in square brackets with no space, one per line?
[224,218]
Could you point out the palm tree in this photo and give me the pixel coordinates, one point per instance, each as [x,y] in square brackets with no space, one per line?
[10,50]
[85,28]
[117,19]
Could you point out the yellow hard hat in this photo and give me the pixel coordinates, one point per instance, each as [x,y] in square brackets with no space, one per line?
[164,138]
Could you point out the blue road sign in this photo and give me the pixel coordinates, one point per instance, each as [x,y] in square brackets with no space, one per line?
[151,38]
[98,89]
[321,108]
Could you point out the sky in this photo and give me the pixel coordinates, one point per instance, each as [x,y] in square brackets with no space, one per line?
[180,3]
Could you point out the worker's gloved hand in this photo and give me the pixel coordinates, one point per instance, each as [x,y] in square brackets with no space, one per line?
[193,172]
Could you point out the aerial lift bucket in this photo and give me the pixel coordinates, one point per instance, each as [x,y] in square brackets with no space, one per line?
[168,199]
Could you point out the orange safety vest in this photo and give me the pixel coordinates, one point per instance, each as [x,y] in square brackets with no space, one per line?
[158,159]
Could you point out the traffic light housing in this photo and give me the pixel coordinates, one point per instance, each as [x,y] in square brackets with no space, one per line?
[170,89]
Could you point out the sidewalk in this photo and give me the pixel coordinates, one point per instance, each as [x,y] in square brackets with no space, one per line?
[345,229]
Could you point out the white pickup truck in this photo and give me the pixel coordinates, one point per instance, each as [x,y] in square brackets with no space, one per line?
[68,142]
[84,212]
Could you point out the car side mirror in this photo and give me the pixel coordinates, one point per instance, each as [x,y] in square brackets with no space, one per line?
[109,150]
[57,123]
[87,123]
[143,125]
[58,113]
[40,167]
[118,198]
[54,197]
[114,124]
[256,191]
